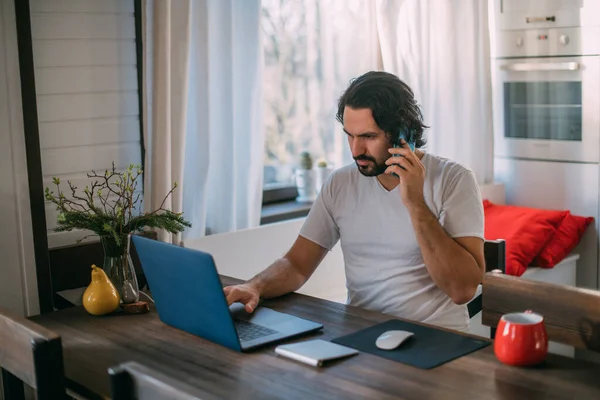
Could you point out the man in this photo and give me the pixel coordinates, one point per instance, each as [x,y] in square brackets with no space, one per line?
[411,226]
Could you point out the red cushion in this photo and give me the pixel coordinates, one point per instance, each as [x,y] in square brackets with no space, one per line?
[565,239]
[525,230]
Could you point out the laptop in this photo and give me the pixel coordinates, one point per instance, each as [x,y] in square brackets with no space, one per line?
[188,295]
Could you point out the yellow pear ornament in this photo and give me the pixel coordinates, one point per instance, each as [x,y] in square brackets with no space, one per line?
[101,297]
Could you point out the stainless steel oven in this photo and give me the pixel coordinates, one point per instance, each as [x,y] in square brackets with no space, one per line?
[547,94]
[534,14]
[546,88]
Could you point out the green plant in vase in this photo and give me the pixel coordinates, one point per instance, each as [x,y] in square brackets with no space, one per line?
[109,207]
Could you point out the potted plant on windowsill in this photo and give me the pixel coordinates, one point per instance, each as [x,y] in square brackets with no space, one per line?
[305,178]
[322,173]
[110,208]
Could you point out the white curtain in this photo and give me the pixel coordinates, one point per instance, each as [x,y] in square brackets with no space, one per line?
[203,111]
[441,49]
[166,66]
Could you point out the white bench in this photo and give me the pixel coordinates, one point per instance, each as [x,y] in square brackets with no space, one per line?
[244,253]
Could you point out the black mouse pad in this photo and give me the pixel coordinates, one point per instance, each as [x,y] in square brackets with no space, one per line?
[427,348]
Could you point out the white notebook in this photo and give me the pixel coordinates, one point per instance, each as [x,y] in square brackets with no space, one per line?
[314,352]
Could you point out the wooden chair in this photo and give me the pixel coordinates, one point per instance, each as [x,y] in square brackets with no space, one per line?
[32,355]
[571,314]
[132,380]
[495,259]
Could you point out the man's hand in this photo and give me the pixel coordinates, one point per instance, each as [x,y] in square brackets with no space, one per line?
[411,172]
[245,293]
[285,275]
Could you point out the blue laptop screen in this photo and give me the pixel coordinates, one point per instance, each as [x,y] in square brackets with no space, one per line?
[187,290]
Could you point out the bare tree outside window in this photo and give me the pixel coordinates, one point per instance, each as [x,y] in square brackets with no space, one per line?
[312,48]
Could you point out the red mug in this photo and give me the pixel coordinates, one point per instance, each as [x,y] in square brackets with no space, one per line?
[521,339]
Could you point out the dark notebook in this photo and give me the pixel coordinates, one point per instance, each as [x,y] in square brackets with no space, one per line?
[427,348]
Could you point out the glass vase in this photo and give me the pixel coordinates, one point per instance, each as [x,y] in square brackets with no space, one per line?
[118,266]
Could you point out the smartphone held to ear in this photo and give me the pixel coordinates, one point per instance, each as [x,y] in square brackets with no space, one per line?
[403,135]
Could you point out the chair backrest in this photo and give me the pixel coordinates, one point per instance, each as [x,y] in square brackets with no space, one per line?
[495,255]
[571,314]
[495,259]
[30,354]
[134,381]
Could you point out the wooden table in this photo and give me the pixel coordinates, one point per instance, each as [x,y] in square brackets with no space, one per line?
[93,344]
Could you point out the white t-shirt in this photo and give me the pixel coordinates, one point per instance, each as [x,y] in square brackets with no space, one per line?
[384,265]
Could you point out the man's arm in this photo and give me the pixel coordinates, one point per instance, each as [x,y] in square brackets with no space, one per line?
[455,265]
[291,271]
[285,275]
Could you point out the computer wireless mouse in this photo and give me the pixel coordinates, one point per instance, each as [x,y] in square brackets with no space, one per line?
[391,339]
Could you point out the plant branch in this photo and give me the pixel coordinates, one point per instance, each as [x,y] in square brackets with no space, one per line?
[164,200]
[85,237]
[94,210]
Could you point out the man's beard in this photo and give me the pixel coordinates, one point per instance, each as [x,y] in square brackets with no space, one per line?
[371,169]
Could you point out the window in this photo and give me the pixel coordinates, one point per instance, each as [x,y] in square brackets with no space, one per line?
[312,48]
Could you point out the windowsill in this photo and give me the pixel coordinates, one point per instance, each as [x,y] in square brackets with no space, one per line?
[284,210]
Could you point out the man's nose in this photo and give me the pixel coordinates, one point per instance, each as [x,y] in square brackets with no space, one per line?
[356,147]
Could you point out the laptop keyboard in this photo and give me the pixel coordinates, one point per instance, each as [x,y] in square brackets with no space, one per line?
[248,331]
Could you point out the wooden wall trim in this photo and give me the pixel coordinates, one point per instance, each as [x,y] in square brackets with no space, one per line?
[139,52]
[33,152]
[571,314]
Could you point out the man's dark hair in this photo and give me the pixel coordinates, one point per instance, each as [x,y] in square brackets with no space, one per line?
[391,102]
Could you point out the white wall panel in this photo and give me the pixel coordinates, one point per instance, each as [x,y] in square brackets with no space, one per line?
[89,132]
[61,107]
[83,52]
[87,92]
[90,6]
[66,80]
[56,162]
[82,26]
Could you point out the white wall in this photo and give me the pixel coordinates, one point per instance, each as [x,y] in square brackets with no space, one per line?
[18,285]
[86,82]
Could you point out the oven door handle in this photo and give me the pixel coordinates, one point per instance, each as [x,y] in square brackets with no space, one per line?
[554,66]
